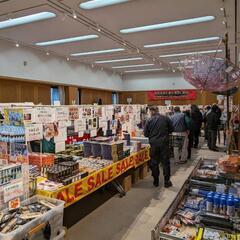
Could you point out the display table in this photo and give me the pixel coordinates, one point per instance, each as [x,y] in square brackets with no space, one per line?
[80,189]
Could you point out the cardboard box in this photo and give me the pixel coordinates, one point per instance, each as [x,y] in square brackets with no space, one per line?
[143,171]
[135,175]
[127,183]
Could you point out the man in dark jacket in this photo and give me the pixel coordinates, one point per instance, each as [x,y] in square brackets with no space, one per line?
[157,129]
[197,119]
[212,127]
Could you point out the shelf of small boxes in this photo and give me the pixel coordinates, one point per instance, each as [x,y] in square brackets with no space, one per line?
[201,208]
[75,163]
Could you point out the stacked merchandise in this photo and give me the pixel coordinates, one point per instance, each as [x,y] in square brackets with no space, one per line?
[230,165]
[16,223]
[112,151]
[207,200]
[41,160]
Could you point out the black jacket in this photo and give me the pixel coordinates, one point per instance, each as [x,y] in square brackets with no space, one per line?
[197,119]
[212,121]
[157,129]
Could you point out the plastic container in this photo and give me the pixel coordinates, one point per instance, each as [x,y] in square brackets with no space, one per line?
[53,216]
[209,204]
[223,205]
[230,207]
[216,203]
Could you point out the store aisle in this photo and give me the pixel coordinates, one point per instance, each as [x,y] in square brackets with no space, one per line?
[132,217]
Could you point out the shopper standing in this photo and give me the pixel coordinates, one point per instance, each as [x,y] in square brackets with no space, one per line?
[212,127]
[197,119]
[206,112]
[190,127]
[180,139]
[157,129]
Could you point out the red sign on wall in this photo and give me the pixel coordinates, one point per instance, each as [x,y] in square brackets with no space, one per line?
[180,94]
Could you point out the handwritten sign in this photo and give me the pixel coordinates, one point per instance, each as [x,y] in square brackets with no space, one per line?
[34,132]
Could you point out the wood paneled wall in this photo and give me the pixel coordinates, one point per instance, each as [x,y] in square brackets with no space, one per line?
[20,91]
[89,96]
[203,98]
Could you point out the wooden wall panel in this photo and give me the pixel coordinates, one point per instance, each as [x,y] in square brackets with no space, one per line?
[89,96]
[20,91]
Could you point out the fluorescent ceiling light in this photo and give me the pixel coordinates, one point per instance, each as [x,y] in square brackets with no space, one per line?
[26,19]
[189,61]
[182,42]
[132,66]
[144,70]
[100,3]
[119,60]
[66,40]
[189,53]
[98,52]
[168,24]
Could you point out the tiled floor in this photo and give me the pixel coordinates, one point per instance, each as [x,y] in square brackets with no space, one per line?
[133,216]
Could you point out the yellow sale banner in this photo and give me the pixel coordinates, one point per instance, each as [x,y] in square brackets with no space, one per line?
[77,190]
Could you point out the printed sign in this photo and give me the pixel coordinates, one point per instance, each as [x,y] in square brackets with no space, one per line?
[34,132]
[79,125]
[3,150]
[73,113]
[61,114]
[19,153]
[14,204]
[44,114]
[29,115]
[78,190]
[13,116]
[182,94]
[12,191]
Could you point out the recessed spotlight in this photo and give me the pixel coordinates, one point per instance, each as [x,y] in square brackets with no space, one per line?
[223,22]
[99,29]
[168,24]
[17,45]
[222,9]
[100,3]
[97,52]
[174,70]
[67,40]
[47,53]
[74,15]
[68,59]
[26,19]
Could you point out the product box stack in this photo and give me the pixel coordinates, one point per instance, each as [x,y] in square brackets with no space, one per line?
[41,160]
[113,151]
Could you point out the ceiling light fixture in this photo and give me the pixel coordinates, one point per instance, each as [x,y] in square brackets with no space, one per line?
[222,9]
[98,52]
[182,42]
[100,3]
[17,45]
[74,14]
[47,53]
[133,66]
[68,59]
[119,60]
[26,19]
[189,53]
[144,70]
[66,40]
[168,24]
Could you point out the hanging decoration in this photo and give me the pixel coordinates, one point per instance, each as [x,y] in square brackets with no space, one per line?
[208,73]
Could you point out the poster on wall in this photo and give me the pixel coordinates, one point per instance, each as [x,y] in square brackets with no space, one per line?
[50,131]
[29,115]
[34,132]
[13,116]
[18,153]
[61,114]
[44,114]
[181,94]
[73,113]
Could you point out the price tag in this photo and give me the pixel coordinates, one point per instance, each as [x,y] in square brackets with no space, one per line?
[93,133]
